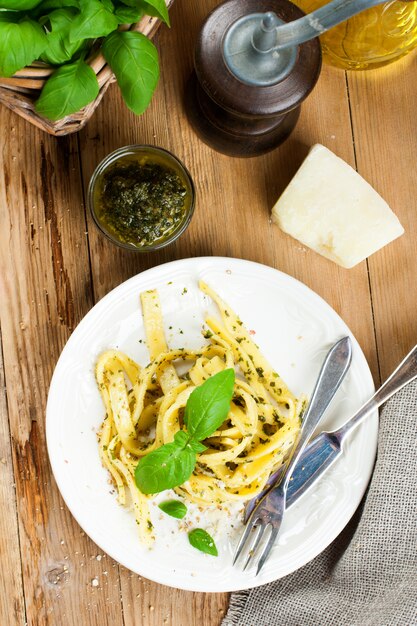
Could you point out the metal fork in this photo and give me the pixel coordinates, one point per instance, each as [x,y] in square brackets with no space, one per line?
[270,510]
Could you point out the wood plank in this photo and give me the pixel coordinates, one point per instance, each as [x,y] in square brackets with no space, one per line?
[384,123]
[45,290]
[12,604]
[234,198]
[154,605]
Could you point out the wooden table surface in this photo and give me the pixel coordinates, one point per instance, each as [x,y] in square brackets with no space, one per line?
[55,265]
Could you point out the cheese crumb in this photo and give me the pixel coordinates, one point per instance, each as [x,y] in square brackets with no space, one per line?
[330,208]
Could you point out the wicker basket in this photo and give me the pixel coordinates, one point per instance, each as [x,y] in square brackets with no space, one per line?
[20,92]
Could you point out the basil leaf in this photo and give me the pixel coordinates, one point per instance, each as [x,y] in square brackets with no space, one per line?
[209,404]
[134,61]
[19,5]
[20,44]
[48,5]
[181,438]
[9,17]
[174,508]
[109,5]
[128,15]
[60,49]
[156,8]
[166,467]
[94,21]
[69,88]
[201,540]
[197,446]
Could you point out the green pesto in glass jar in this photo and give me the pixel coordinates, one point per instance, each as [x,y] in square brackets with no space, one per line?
[142,198]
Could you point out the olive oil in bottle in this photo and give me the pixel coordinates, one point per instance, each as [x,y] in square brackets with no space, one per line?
[373,38]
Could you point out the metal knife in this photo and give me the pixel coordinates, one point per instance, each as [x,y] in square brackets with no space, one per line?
[325,449]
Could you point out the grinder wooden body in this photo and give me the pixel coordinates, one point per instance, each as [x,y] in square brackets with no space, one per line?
[240,119]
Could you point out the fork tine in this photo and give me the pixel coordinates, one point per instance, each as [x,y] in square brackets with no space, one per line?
[250,526]
[255,544]
[267,549]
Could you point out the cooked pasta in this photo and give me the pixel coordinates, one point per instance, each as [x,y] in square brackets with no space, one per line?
[145,406]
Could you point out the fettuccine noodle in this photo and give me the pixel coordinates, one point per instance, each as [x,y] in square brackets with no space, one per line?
[144,408]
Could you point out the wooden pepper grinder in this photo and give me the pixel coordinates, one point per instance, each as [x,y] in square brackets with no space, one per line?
[244,97]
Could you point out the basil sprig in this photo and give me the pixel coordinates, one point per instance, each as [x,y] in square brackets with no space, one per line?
[173,463]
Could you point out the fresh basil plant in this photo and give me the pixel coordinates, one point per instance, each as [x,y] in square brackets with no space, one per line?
[60,32]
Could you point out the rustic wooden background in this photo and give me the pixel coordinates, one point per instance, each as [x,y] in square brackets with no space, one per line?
[54,265]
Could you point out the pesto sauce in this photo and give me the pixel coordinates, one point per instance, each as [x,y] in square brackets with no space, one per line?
[140,201]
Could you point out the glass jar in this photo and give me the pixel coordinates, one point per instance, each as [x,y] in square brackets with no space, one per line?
[141,197]
[373,38]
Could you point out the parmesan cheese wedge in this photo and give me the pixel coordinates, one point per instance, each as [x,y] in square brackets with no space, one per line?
[330,208]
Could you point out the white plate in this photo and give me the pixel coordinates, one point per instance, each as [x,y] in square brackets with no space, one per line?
[294,328]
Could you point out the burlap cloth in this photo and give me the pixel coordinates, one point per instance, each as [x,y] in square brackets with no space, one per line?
[368,575]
